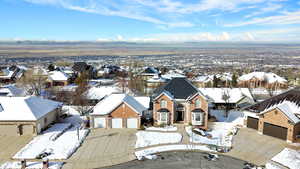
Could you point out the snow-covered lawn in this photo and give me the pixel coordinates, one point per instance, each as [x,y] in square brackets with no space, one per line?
[221,135]
[180,147]
[289,158]
[31,165]
[272,166]
[147,138]
[167,128]
[234,116]
[60,140]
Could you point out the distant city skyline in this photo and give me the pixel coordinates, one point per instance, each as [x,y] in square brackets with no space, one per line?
[151,20]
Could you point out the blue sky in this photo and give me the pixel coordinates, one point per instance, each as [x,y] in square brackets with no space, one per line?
[151,20]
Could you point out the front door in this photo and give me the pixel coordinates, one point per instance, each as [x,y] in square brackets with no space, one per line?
[180,116]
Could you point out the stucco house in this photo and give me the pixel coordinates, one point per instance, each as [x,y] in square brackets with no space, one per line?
[58,78]
[180,102]
[278,116]
[117,111]
[27,115]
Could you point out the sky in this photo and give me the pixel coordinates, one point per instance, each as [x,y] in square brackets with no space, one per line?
[151,20]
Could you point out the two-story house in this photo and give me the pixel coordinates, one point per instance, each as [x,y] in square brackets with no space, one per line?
[179,101]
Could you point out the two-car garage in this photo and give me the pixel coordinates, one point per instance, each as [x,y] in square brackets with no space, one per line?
[275,131]
[102,122]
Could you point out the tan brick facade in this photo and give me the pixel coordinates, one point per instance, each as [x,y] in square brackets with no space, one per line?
[189,106]
[276,117]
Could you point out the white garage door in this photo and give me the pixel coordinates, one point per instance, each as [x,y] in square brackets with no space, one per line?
[99,122]
[116,123]
[132,123]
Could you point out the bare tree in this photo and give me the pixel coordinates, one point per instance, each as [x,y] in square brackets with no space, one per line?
[33,82]
[226,98]
[80,95]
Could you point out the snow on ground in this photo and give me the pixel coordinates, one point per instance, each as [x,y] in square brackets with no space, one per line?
[31,165]
[221,135]
[167,128]
[180,147]
[61,148]
[289,158]
[272,166]
[61,139]
[146,138]
[234,116]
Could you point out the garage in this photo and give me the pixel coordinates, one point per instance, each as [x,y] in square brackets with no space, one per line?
[252,123]
[132,123]
[275,131]
[116,123]
[99,122]
[10,130]
[27,129]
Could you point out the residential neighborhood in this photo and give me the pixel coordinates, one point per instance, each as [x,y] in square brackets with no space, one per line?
[73,119]
[150,84]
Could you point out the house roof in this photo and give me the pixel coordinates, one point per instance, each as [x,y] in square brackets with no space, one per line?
[292,95]
[98,93]
[143,100]
[290,109]
[58,76]
[80,66]
[235,94]
[11,90]
[151,70]
[111,102]
[25,108]
[264,76]
[179,88]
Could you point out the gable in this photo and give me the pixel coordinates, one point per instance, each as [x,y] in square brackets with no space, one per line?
[124,111]
[276,116]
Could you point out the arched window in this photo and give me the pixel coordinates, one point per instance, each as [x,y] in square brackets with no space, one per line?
[163,104]
[198,103]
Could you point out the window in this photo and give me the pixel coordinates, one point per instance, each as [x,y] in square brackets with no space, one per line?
[163,116]
[196,117]
[45,120]
[198,103]
[163,104]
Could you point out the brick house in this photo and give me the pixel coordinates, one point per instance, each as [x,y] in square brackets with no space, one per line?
[117,111]
[278,116]
[180,102]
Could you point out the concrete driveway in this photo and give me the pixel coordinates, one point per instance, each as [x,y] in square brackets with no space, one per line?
[10,145]
[104,147]
[250,146]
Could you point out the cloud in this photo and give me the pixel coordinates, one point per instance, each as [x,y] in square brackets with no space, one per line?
[284,19]
[269,8]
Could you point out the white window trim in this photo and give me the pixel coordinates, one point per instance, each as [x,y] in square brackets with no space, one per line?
[164,105]
[194,121]
[160,117]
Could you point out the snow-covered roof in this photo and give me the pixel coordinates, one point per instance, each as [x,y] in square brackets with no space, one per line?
[157,79]
[58,76]
[6,73]
[25,108]
[11,90]
[235,94]
[109,103]
[98,93]
[209,78]
[143,100]
[268,77]
[172,75]
[290,109]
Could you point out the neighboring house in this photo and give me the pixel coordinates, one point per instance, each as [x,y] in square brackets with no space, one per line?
[58,78]
[82,67]
[11,91]
[278,116]
[27,115]
[202,81]
[11,74]
[149,72]
[262,79]
[228,97]
[156,81]
[117,111]
[180,102]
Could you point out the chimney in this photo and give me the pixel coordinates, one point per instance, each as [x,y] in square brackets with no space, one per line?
[23,164]
[45,163]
